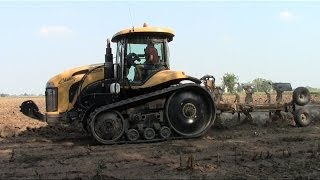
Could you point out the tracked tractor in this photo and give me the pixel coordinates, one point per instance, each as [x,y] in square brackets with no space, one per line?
[134,97]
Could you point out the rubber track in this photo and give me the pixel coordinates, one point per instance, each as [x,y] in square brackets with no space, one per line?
[144,97]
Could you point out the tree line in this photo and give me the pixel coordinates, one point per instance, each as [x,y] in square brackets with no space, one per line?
[21,95]
[231,82]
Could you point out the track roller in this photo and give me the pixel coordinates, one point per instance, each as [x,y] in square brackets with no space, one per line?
[149,133]
[165,132]
[133,135]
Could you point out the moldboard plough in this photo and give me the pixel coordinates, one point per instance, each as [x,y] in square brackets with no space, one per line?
[300,98]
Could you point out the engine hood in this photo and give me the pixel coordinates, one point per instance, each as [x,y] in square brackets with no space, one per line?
[72,75]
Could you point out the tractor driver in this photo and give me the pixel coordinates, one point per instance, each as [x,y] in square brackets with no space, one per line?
[152,58]
[151,53]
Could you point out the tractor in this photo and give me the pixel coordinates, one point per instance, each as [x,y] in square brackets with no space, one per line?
[134,97]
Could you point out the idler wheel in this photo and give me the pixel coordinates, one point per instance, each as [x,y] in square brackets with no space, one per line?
[107,126]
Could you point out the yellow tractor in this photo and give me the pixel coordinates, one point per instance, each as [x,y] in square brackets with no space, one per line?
[132,98]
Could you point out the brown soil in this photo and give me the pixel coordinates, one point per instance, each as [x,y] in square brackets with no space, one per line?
[31,149]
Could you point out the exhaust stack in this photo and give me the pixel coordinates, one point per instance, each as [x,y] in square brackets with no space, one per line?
[108,65]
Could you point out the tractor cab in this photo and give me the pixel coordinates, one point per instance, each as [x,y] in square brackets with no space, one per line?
[141,53]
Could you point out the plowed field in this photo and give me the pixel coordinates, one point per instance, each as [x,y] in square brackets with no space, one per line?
[30,149]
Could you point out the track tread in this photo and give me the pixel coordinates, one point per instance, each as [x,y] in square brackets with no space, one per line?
[148,96]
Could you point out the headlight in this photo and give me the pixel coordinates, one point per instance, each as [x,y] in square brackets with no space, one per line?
[51,99]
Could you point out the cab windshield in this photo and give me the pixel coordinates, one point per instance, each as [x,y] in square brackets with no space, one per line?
[143,56]
[139,45]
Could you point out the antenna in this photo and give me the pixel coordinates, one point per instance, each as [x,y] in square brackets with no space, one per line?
[131,17]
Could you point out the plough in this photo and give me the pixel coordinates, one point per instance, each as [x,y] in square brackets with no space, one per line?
[300,98]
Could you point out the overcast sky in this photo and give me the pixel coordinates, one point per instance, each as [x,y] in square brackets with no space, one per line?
[273,40]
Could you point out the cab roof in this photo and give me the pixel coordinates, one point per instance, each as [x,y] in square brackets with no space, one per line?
[145,30]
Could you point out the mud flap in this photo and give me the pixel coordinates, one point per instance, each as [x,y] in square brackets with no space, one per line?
[30,109]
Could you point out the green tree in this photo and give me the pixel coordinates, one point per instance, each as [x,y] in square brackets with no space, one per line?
[4,95]
[312,89]
[230,80]
[239,87]
[262,85]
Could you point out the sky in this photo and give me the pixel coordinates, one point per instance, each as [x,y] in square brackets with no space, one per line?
[274,40]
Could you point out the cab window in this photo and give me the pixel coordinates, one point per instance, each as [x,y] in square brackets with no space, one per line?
[138,64]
